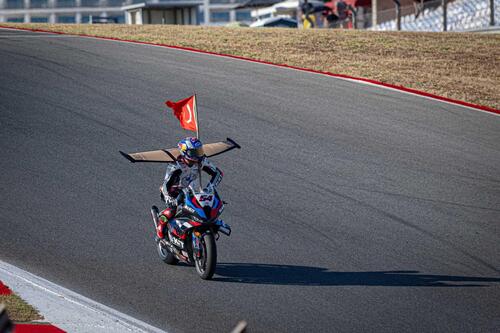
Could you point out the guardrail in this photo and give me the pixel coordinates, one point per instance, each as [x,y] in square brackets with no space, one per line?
[438,15]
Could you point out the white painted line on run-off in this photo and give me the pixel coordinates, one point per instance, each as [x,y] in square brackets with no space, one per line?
[66,309]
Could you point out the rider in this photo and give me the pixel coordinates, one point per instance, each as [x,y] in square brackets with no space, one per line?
[184,171]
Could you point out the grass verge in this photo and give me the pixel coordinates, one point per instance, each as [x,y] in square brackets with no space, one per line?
[18,310]
[463,66]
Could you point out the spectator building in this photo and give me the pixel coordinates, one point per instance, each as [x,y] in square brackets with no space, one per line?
[216,12]
[184,12]
[221,12]
[61,11]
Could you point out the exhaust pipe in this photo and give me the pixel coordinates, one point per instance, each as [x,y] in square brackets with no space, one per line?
[154,214]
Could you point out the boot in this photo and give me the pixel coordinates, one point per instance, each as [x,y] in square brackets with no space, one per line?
[165,216]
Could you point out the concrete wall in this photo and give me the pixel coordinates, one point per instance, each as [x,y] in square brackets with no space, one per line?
[184,16]
[133,17]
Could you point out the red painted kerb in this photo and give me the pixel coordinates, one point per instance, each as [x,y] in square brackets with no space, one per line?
[29,327]
[4,290]
[37,328]
[387,85]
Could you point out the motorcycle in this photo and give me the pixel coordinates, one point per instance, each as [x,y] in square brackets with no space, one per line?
[192,234]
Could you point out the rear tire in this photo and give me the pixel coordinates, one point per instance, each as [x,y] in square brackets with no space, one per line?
[205,266]
[166,256]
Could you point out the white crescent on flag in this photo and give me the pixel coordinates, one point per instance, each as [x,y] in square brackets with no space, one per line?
[190,114]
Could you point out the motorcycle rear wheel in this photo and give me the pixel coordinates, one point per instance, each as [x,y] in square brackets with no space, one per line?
[205,265]
[166,256]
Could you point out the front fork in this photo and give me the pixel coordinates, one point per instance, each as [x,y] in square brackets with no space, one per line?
[196,236]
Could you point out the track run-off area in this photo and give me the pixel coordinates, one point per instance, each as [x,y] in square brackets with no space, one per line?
[353,207]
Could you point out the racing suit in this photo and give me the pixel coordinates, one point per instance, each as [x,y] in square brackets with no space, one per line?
[180,175]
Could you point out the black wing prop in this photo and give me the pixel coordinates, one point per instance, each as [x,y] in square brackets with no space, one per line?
[170,155]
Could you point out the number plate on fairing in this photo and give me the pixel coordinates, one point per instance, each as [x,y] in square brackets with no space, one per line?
[205,199]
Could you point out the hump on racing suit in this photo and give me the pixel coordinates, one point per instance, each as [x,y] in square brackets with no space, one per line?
[180,175]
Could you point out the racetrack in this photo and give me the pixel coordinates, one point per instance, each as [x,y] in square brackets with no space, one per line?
[354,208]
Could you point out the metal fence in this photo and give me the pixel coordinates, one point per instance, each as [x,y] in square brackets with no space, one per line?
[437,15]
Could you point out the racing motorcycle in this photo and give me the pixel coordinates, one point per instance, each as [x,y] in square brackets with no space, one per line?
[191,238]
[196,226]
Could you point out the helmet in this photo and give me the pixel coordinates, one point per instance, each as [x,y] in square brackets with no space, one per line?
[191,149]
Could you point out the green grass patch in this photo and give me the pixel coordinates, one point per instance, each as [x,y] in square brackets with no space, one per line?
[18,310]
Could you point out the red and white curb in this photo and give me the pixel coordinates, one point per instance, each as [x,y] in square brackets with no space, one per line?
[4,290]
[65,309]
[471,106]
[32,327]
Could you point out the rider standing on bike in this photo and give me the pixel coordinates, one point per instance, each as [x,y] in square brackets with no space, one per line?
[184,171]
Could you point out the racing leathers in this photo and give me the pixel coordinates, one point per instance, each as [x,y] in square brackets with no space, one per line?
[178,176]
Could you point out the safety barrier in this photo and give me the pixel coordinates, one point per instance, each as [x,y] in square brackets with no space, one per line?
[459,15]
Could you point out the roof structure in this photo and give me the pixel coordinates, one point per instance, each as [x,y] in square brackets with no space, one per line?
[283,22]
[257,3]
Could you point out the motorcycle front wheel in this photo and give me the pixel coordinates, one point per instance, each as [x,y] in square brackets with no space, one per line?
[205,264]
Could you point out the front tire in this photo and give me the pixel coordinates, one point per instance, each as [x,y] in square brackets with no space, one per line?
[205,265]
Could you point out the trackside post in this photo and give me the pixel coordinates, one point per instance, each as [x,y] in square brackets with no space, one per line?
[492,12]
[444,3]
[398,14]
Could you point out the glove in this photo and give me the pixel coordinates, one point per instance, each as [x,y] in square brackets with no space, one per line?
[171,202]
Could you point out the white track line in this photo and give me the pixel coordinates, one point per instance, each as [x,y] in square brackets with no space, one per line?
[66,309]
[413,94]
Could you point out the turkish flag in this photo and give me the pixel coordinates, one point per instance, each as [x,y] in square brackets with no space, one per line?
[185,111]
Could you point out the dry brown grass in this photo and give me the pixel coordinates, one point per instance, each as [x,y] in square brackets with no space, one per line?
[18,310]
[462,66]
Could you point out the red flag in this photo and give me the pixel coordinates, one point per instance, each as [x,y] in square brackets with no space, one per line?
[185,111]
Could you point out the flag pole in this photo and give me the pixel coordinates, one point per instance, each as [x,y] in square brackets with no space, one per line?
[196,117]
[198,136]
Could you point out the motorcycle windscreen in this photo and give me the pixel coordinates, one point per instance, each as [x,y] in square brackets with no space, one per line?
[170,155]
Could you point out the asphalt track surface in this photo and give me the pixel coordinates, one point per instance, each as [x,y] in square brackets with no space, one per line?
[354,208]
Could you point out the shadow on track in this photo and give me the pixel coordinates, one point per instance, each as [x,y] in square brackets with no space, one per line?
[317,276]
